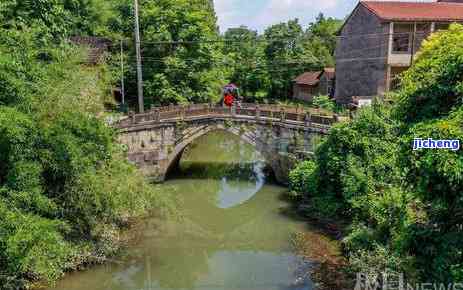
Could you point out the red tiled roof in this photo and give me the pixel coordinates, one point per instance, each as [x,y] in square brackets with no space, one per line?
[454,1]
[416,11]
[310,78]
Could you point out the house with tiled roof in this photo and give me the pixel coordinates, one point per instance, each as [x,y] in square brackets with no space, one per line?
[379,40]
[314,83]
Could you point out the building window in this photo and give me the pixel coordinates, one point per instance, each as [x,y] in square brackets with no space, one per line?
[401,38]
[442,26]
[423,28]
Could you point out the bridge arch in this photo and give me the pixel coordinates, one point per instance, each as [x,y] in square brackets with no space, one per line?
[245,133]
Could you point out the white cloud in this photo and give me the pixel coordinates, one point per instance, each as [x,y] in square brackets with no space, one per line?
[258,14]
[228,13]
[282,10]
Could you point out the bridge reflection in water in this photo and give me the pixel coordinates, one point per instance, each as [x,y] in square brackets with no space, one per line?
[232,234]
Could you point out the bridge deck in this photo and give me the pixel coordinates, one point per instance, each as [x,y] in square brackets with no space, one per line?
[292,116]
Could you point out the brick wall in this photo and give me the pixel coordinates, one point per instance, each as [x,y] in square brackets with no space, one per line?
[361,56]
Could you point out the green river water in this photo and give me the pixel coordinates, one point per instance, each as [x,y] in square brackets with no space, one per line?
[233,233]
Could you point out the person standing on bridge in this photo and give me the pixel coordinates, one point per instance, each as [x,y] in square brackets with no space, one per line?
[230,95]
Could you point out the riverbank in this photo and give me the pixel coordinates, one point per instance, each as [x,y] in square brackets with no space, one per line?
[321,245]
[329,267]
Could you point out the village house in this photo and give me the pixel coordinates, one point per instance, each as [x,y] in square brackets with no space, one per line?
[314,83]
[379,41]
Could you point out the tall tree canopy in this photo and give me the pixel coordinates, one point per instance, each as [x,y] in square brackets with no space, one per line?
[180,62]
[60,18]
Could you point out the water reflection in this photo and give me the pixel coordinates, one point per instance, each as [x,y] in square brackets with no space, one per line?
[234,193]
[232,234]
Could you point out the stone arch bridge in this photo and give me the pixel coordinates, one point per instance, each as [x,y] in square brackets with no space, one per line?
[156,139]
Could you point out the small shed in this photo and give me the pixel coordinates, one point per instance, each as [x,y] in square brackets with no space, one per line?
[306,86]
[314,83]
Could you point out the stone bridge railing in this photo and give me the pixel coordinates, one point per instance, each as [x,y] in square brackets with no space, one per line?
[276,113]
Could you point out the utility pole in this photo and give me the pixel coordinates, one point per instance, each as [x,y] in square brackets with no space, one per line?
[141,105]
[122,73]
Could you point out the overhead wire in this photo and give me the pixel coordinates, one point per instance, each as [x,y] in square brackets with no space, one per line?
[270,40]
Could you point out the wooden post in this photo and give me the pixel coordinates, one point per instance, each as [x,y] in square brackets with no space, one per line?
[308,119]
[282,114]
[233,110]
[211,108]
[152,114]
[257,113]
[132,117]
[299,115]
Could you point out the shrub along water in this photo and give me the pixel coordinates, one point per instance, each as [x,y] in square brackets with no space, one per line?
[405,206]
[65,187]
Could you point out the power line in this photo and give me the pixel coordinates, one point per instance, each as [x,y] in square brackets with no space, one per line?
[283,39]
[262,68]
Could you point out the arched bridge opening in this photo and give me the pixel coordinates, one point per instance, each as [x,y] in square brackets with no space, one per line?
[196,133]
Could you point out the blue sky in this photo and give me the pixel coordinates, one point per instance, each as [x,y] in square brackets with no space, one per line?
[258,14]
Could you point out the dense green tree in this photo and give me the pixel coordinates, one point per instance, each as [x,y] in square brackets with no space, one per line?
[433,86]
[65,187]
[244,50]
[325,31]
[358,159]
[60,18]
[435,176]
[285,58]
[180,60]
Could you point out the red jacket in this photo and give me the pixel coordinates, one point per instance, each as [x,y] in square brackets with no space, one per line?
[228,100]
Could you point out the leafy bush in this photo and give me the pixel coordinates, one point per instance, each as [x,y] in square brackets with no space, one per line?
[324,102]
[358,158]
[436,178]
[302,179]
[31,245]
[433,86]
